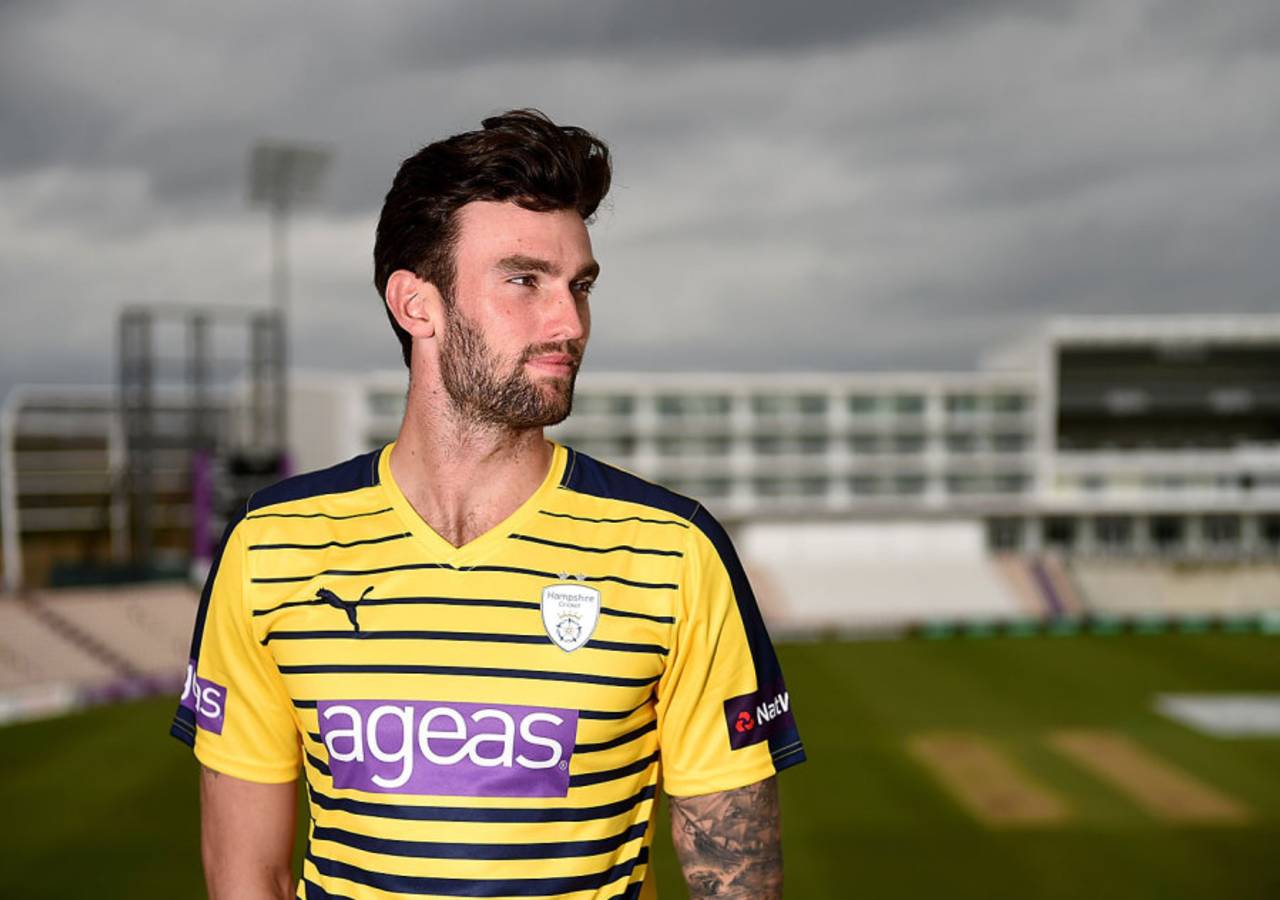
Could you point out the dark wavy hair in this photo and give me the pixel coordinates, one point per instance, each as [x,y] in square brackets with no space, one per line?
[520,156]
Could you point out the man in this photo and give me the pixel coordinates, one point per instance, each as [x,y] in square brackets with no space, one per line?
[476,643]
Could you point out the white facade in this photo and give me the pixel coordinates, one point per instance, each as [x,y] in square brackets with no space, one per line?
[982,445]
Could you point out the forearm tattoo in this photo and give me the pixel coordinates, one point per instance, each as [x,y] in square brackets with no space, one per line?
[730,842]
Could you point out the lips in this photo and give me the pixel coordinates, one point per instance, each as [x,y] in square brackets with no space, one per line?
[561,363]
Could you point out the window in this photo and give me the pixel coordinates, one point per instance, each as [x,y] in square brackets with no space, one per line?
[685,445]
[700,488]
[812,404]
[1222,530]
[814,486]
[1009,483]
[865,443]
[962,403]
[769,404]
[605,447]
[1008,403]
[604,404]
[1269,529]
[386,403]
[769,487]
[1113,532]
[864,485]
[962,442]
[774,444]
[863,404]
[781,404]
[908,404]
[1009,442]
[908,443]
[1004,534]
[908,485]
[1060,532]
[1166,532]
[681,405]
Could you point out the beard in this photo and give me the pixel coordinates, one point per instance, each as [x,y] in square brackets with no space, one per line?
[483,394]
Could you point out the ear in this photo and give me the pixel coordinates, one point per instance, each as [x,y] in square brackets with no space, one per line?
[416,304]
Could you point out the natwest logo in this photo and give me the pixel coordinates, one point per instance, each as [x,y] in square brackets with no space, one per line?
[207,699]
[756,717]
[456,749]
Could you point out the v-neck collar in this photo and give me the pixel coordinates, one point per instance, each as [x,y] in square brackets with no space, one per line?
[478,547]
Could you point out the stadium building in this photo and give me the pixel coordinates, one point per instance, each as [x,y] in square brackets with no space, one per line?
[1097,435]
[1125,466]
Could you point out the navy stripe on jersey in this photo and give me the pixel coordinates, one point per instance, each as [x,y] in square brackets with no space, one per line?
[315,892]
[477,636]
[480,671]
[585,475]
[350,475]
[596,714]
[631,893]
[321,515]
[481,814]
[319,765]
[450,850]
[395,601]
[582,779]
[472,887]
[609,714]
[560,515]
[184,719]
[459,601]
[628,614]
[326,545]
[512,570]
[358,472]
[620,548]
[619,740]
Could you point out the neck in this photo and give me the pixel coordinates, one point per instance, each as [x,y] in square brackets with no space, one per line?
[461,477]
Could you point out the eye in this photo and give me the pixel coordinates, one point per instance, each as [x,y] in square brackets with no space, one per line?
[523,280]
[584,287]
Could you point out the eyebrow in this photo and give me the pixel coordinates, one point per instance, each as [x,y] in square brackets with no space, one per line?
[521,263]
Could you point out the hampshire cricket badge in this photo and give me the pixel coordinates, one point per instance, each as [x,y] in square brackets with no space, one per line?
[569,613]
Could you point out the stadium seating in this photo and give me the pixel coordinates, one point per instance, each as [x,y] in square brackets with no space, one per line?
[1129,587]
[32,653]
[142,629]
[849,576]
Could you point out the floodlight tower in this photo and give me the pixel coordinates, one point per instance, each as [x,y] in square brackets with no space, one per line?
[282,177]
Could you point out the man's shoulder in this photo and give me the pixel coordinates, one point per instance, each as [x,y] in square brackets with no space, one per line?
[591,477]
[319,490]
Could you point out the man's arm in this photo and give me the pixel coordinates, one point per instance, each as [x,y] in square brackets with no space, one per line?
[730,842]
[246,837]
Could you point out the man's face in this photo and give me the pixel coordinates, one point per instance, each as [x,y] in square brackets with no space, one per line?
[516,330]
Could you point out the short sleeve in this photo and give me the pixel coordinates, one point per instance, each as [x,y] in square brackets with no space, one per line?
[234,711]
[724,713]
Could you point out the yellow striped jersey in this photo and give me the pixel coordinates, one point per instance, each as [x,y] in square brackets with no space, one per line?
[490,720]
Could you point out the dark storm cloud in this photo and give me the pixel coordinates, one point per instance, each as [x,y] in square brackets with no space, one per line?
[878,185]
[181,93]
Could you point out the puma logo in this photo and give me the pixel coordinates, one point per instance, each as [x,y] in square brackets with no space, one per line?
[347,606]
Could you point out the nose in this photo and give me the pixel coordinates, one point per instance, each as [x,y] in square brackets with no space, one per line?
[569,316]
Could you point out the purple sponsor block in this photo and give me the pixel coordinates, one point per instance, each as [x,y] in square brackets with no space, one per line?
[758,716]
[207,699]
[453,749]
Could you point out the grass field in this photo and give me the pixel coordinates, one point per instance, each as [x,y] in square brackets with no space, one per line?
[103,803]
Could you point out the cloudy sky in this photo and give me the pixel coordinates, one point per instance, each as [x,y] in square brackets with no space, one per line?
[842,185]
